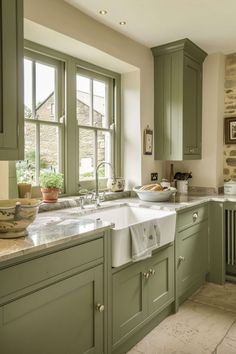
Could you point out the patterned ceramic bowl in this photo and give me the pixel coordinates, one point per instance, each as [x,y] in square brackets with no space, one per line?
[16,215]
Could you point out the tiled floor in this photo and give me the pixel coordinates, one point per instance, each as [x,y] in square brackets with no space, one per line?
[206,323]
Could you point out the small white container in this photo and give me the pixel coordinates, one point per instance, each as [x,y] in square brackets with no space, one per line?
[230,188]
[182,187]
[116,184]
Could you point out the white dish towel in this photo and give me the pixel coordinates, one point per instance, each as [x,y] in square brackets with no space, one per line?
[145,238]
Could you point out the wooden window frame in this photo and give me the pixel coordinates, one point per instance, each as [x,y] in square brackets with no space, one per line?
[59,107]
[70,66]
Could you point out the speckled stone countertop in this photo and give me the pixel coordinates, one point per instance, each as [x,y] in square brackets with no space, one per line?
[52,229]
[60,226]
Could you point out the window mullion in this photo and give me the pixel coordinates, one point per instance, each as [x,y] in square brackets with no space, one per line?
[37,154]
[95,151]
[91,102]
[34,89]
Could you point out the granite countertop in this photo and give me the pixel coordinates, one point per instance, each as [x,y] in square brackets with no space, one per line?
[51,229]
[57,227]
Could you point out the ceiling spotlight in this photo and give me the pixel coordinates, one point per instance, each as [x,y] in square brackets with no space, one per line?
[103,12]
[122,23]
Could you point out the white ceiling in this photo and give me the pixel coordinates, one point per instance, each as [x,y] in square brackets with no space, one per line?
[209,23]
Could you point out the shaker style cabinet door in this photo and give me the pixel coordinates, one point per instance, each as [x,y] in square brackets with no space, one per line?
[192,258]
[178,100]
[129,299]
[192,108]
[11,80]
[161,282]
[63,318]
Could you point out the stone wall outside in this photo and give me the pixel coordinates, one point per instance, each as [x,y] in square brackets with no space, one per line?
[49,137]
[229,168]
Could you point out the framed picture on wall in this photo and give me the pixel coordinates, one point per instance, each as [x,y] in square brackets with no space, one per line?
[147,141]
[230,130]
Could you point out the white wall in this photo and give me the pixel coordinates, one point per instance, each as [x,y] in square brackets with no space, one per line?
[60,17]
[131,138]
[208,172]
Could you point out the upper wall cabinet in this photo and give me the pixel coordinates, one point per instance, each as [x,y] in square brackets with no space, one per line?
[178,100]
[11,80]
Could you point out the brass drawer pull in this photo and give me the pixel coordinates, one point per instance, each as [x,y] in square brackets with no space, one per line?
[151,271]
[195,216]
[100,308]
[146,275]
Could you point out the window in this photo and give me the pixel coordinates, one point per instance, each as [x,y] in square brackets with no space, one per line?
[94,108]
[87,96]
[43,118]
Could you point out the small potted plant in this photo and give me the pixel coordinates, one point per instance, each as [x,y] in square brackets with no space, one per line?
[25,176]
[51,183]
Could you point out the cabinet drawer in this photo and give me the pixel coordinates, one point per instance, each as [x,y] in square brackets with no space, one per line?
[29,273]
[192,217]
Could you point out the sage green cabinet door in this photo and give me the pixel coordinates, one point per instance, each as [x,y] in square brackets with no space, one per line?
[192,109]
[11,80]
[178,100]
[61,318]
[161,281]
[129,299]
[192,257]
[168,106]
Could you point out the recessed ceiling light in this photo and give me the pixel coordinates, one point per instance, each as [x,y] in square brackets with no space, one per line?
[103,12]
[122,23]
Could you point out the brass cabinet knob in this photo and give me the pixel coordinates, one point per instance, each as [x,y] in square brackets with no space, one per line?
[100,308]
[151,271]
[146,275]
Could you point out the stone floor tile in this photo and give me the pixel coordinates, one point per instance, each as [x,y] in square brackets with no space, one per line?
[232,332]
[221,296]
[133,351]
[228,346]
[195,329]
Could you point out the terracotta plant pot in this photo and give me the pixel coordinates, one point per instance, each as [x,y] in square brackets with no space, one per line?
[50,195]
[24,190]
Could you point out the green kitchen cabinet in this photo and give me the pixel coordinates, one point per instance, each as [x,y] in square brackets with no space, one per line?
[178,100]
[11,80]
[217,241]
[54,303]
[140,292]
[192,260]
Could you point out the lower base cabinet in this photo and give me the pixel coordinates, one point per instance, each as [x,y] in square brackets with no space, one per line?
[140,292]
[62,318]
[191,252]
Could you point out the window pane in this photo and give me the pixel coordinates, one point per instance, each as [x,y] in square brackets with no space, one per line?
[100,111]
[83,100]
[49,148]
[26,169]
[86,154]
[45,92]
[104,152]
[28,88]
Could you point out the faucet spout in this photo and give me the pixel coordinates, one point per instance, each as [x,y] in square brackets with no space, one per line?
[97,179]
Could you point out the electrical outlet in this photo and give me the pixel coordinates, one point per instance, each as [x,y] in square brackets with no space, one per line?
[154,176]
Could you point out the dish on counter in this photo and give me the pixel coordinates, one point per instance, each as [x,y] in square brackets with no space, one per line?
[16,215]
[154,192]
